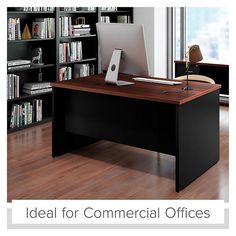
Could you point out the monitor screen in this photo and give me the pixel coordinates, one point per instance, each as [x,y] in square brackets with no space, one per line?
[130,39]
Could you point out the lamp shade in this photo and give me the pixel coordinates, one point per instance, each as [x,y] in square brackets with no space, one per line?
[195,54]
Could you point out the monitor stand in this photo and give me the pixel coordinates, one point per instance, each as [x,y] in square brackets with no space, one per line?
[113,70]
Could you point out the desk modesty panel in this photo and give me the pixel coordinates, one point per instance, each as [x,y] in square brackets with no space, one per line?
[156,117]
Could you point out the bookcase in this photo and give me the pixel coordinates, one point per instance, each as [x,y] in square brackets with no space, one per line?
[22,49]
[116,14]
[88,42]
[55,67]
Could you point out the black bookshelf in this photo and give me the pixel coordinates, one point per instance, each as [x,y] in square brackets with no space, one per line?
[22,49]
[120,11]
[89,41]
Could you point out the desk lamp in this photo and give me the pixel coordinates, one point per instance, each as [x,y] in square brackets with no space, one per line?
[193,55]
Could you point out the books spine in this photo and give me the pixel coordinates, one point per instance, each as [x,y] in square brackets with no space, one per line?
[13,29]
[65,73]
[46,28]
[69,52]
[13,86]
[26,113]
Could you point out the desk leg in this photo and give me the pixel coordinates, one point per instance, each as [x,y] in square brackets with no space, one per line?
[63,141]
[197,138]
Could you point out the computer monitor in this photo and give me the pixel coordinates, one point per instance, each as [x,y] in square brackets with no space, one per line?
[123,50]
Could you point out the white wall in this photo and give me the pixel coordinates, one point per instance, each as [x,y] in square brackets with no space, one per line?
[155,27]
[160,47]
[145,16]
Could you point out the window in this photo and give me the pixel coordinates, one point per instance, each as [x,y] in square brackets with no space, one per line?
[206,26]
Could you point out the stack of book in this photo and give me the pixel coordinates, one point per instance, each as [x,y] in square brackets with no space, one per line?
[25,113]
[78,30]
[13,29]
[16,64]
[69,52]
[105,19]
[83,70]
[37,87]
[43,28]
[13,87]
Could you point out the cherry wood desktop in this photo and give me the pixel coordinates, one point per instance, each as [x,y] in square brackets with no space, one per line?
[156,117]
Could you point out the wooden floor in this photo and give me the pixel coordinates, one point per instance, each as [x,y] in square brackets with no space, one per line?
[105,170]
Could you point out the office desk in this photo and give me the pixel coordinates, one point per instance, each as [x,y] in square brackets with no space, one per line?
[151,116]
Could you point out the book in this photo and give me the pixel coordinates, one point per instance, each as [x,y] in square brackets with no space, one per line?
[25,113]
[35,9]
[79,26]
[69,52]
[18,67]
[65,73]
[18,62]
[36,91]
[37,85]
[105,19]
[108,8]
[13,29]
[66,28]
[38,30]
[49,26]
[13,86]
[86,8]
[80,31]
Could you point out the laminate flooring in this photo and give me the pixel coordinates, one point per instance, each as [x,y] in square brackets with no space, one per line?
[105,170]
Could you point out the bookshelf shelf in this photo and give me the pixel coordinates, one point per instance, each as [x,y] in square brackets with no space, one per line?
[116,12]
[77,12]
[27,96]
[30,12]
[34,67]
[44,120]
[80,61]
[80,36]
[30,40]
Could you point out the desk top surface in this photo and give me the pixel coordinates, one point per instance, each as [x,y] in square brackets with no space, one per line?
[172,94]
